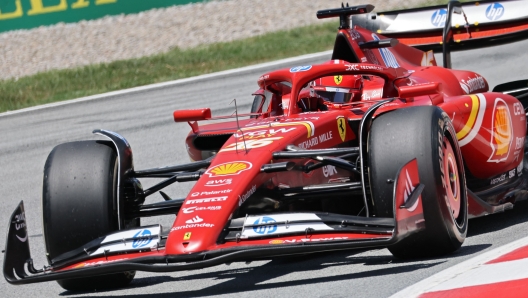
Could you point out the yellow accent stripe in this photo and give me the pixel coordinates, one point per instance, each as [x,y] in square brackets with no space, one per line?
[472,116]
[282,124]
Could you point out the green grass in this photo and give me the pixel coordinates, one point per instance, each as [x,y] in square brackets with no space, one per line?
[60,85]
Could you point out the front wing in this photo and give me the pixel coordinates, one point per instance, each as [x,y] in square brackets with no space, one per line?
[19,267]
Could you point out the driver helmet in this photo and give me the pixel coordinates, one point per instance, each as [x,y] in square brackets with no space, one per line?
[339,88]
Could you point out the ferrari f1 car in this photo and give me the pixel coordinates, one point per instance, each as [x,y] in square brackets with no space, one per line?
[378,147]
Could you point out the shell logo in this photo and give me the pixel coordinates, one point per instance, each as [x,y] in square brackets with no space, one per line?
[501,133]
[229,168]
[276,242]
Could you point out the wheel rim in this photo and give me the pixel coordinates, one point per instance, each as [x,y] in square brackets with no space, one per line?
[451,178]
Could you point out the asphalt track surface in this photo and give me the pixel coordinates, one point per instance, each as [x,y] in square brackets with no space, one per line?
[145,119]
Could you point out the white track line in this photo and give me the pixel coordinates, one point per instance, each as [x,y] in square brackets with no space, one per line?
[448,274]
[171,83]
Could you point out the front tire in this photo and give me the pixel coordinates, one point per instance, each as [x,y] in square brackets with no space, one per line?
[79,194]
[424,133]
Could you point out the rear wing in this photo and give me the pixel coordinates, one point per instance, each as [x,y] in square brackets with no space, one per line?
[457,26]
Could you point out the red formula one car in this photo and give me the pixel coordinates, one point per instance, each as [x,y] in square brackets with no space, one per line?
[378,147]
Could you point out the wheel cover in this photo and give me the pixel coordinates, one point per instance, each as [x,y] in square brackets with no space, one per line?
[451,178]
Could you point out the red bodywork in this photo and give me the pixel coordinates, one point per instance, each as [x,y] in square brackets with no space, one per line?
[490,128]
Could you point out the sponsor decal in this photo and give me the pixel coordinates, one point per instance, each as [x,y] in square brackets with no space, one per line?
[316,140]
[142,238]
[474,122]
[498,179]
[219,182]
[494,11]
[325,137]
[20,223]
[372,67]
[188,210]
[248,135]
[195,219]
[308,143]
[279,241]
[301,68]
[386,55]
[86,264]
[250,144]
[439,17]
[289,122]
[206,200]
[267,229]
[473,84]
[244,197]
[376,94]
[208,193]
[329,170]
[190,226]
[187,236]
[518,109]
[511,174]
[229,168]
[257,226]
[338,79]
[351,67]
[501,132]
[341,127]
[364,59]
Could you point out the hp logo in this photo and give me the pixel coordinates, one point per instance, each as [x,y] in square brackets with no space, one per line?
[268,229]
[142,238]
[439,17]
[494,11]
[300,68]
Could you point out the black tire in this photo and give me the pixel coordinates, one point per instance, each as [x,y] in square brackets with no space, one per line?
[425,133]
[79,189]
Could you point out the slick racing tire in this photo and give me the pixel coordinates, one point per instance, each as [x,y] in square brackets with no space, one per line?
[424,133]
[79,190]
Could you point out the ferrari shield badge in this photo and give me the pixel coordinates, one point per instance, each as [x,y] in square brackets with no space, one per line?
[338,79]
[341,127]
[501,136]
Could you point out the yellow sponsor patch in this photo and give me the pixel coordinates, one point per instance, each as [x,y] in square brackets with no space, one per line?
[229,168]
[341,127]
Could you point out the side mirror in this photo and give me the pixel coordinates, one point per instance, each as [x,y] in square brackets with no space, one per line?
[419,90]
[192,115]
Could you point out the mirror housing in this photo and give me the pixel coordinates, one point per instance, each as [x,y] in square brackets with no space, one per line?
[192,115]
[419,90]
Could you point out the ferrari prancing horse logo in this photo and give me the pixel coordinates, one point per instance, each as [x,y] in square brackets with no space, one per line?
[341,127]
[338,79]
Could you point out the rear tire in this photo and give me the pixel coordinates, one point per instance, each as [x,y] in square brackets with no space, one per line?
[79,191]
[424,133]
